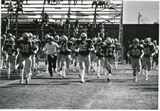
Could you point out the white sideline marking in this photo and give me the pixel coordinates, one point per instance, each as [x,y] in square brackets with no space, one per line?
[7,83]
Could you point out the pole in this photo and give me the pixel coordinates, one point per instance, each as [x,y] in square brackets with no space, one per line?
[121,32]
[9,12]
[69,13]
[95,20]
[17,18]
[42,27]
[139,17]
[95,16]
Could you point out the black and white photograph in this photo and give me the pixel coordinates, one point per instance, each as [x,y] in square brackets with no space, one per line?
[79,54]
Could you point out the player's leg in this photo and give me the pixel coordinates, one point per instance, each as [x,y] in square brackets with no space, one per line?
[98,67]
[22,65]
[82,68]
[28,69]
[148,67]
[50,65]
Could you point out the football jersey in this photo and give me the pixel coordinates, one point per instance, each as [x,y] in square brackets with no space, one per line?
[9,46]
[99,49]
[64,49]
[135,51]
[148,49]
[109,50]
[25,47]
[83,48]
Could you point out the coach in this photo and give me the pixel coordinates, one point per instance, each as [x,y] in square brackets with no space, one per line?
[51,49]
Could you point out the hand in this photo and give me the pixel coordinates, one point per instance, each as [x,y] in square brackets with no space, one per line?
[152,54]
[76,50]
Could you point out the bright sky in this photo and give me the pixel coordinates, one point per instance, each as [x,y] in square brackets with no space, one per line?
[148,8]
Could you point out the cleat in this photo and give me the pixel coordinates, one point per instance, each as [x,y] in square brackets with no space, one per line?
[21,82]
[55,71]
[82,81]
[51,75]
[63,76]
[27,81]
[109,77]
[60,73]
[146,78]
[135,79]
[108,80]
[98,76]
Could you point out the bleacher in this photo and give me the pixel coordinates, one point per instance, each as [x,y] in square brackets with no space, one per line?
[58,12]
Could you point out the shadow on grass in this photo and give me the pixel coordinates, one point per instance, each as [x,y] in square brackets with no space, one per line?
[147,89]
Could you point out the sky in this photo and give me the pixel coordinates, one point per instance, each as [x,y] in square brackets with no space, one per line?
[148,8]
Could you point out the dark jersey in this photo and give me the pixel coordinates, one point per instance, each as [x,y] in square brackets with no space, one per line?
[64,49]
[99,49]
[148,50]
[135,51]
[109,50]
[25,47]
[9,46]
[84,47]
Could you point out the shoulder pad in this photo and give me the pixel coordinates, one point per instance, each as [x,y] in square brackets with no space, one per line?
[141,45]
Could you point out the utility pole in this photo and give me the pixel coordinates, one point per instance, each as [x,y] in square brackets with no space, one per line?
[95,19]
[42,26]
[139,17]
[17,7]
[10,8]
[69,15]
[95,16]
[120,38]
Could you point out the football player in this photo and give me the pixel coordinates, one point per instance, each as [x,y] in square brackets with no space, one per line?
[24,61]
[84,49]
[64,54]
[108,50]
[10,53]
[99,53]
[149,52]
[135,53]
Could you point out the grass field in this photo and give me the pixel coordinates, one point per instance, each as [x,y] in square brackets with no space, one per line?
[68,93]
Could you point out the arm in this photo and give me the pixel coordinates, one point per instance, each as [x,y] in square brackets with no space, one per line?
[142,53]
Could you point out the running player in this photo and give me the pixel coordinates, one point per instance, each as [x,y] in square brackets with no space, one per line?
[24,61]
[149,52]
[99,54]
[135,53]
[84,49]
[64,53]
[109,50]
[10,53]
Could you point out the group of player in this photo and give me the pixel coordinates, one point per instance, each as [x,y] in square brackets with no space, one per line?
[21,55]
[143,56]
[89,54]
